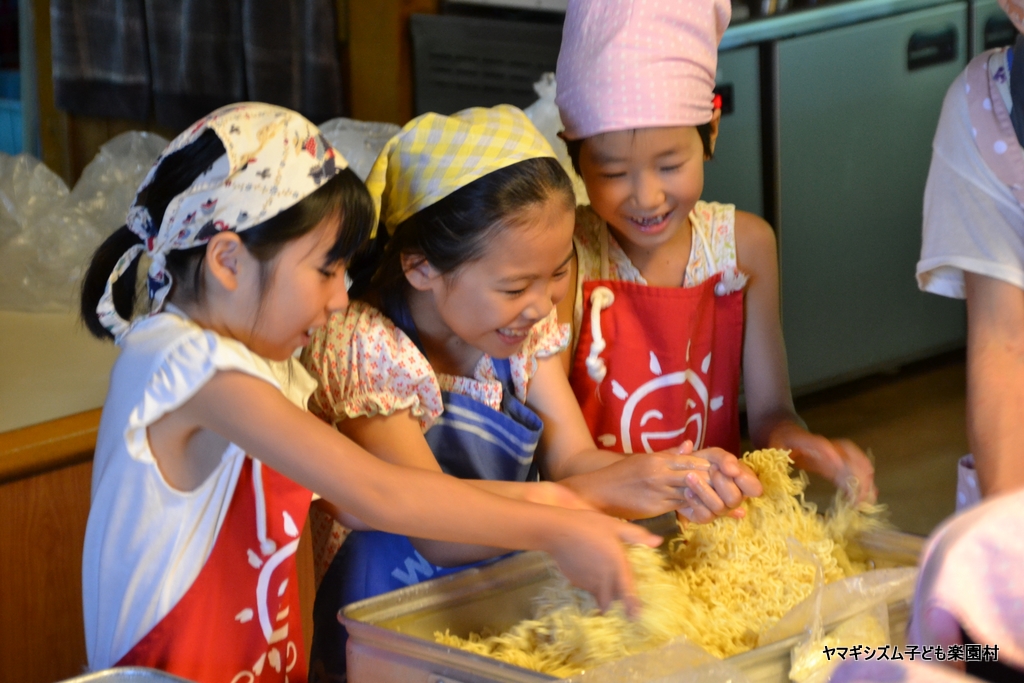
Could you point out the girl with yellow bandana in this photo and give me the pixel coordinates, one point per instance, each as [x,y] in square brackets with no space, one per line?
[447,358]
[206,458]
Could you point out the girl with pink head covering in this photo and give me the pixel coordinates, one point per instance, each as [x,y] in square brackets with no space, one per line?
[674,295]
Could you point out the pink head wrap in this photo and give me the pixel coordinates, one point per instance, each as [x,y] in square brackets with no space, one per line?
[628,64]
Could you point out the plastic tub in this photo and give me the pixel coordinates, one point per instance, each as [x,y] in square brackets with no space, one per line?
[391,635]
[127,674]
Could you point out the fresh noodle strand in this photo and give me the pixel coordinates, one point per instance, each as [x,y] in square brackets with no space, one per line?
[719,584]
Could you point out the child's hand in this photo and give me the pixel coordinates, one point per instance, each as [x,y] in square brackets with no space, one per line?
[729,480]
[839,460]
[651,484]
[589,550]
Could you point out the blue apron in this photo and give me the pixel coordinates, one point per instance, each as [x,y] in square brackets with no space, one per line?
[470,441]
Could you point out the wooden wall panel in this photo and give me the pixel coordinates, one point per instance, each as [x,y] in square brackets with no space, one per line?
[307,585]
[380,57]
[53,124]
[42,526]
[86,135]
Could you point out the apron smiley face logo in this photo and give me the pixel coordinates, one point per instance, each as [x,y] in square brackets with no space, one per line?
[642,421]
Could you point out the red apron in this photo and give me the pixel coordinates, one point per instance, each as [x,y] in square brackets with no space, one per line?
[671,365]
[240,620]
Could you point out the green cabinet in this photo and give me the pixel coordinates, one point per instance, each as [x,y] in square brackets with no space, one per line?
[990,27]
[735,175]
[856,109]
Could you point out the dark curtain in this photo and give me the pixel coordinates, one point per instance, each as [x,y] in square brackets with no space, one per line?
[177,60]
[100,58]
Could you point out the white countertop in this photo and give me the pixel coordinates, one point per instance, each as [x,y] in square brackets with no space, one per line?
[50,367]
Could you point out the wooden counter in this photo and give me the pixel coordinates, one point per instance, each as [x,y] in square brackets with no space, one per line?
[45,472]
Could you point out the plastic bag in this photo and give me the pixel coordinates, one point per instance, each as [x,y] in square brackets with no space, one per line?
[814,659]
[680,661]
[544,115]
[48,234]
[358,141]
[842,599]
[108,184]
[848,613]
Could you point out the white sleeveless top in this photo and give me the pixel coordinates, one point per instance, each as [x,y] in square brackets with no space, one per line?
[146,541]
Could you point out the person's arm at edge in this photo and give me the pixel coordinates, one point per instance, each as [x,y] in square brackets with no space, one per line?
[995,381]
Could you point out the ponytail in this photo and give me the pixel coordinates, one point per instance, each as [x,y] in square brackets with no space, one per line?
[95,281]
[173,176]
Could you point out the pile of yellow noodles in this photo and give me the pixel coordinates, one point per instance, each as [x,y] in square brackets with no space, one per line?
[719,584]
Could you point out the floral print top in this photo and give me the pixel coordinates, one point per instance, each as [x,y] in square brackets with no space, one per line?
[367,366]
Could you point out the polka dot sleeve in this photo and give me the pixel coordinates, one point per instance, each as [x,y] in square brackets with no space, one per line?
[366,366]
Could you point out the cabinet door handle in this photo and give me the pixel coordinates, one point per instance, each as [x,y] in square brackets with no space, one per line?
[927,48]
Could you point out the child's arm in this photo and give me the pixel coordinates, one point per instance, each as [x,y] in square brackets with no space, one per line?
[771,417]
[255,415]
[398,439]
[701,486]
[995,381]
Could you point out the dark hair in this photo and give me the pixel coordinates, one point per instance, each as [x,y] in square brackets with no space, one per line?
[344,195]
[456,230]
[574,146]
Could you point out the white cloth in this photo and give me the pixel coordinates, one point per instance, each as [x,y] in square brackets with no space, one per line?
[146,541]
[972,221]
[968,490]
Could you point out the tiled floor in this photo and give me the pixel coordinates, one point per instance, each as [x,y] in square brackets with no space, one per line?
[913,423]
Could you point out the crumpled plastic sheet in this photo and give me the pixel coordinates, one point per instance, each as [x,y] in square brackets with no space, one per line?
[888,671]
[358,141]
[852,609]
[680,661]
[544,115]
[869,628]
[48,233]
[840,600]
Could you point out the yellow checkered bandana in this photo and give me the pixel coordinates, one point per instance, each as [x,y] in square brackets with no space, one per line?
[434,155]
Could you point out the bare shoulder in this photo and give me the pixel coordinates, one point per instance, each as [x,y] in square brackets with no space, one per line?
[755,243]
[567,304]
[566,309]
